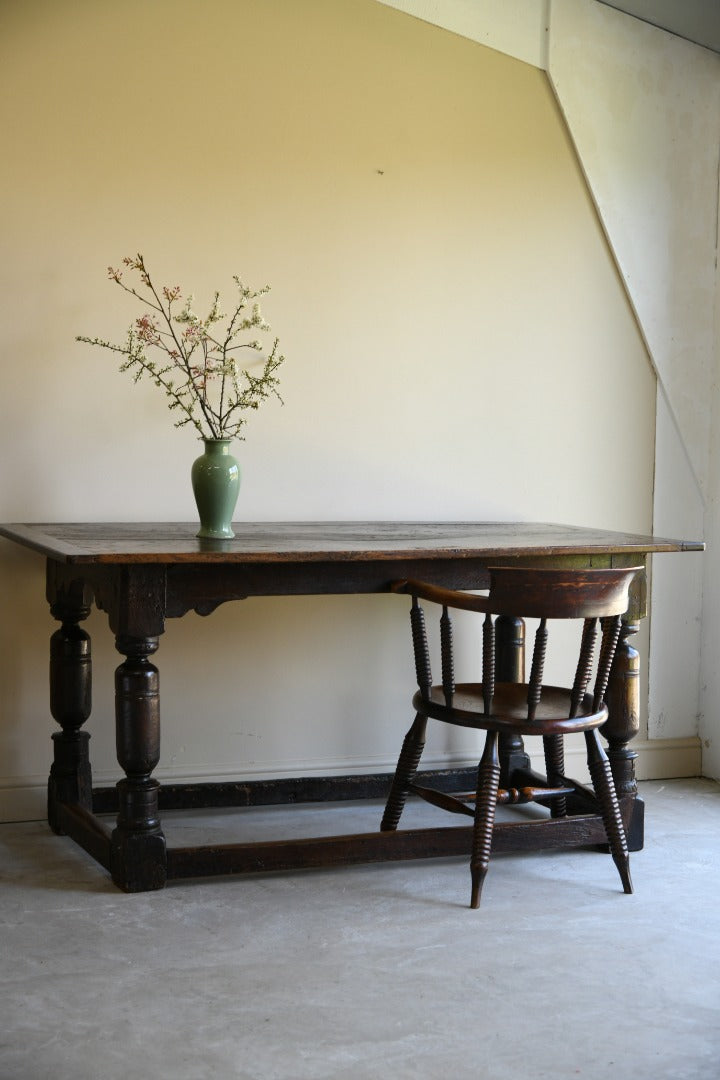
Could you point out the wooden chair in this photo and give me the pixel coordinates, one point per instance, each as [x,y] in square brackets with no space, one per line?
[598,598]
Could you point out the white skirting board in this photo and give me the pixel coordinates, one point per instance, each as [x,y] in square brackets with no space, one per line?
[23,798]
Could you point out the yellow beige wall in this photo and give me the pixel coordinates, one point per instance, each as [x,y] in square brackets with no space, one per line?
[459,344]
[641,107]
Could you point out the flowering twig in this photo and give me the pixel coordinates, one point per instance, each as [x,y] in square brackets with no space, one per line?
[198,372]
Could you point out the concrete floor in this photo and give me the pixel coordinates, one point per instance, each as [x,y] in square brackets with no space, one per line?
[369,972]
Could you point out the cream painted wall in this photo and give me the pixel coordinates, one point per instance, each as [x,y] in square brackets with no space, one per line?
[452,317]
[641,107]
[519,28]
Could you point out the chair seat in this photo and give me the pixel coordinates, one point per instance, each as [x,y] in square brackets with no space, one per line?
[509,709]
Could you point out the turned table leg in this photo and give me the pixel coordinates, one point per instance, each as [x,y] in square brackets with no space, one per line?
[70,778]
[138,853]
[510,667]
[622,725]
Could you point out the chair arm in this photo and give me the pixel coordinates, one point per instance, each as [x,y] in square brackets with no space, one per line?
[438,595]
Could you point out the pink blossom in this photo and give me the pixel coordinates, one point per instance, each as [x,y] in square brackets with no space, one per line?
[199,380]
[147,330]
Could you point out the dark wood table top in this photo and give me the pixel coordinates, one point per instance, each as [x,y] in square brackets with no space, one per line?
[326,541]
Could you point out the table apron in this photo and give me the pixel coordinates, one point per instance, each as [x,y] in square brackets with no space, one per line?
[139,597]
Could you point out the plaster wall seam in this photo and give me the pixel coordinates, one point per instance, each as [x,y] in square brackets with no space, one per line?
[662,390]
[708,713]
[546,22]
[626,288]
[717,225]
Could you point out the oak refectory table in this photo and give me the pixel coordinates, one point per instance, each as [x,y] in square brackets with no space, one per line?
[143,574]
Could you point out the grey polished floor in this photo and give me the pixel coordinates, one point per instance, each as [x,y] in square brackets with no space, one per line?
[369,972]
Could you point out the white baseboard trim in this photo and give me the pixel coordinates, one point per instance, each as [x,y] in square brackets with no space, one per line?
[23,798]
[657,759]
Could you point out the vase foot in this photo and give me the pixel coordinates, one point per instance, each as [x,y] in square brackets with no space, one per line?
[211,534]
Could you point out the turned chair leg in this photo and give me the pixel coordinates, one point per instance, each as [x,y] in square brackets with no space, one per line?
[554,770]
[609,807]
[488,780]
[404,773]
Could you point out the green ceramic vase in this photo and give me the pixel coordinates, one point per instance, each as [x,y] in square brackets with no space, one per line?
[216,482]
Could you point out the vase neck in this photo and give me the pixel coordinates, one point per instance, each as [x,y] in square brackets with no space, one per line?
[217,446]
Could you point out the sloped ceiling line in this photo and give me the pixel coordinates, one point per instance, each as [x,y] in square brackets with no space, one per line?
[641,108]
[697,21]
[679,342]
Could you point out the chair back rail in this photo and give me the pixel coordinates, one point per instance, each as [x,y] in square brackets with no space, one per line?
[595,596]
[537,592]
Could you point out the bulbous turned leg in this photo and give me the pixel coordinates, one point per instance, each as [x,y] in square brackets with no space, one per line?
[138,858]
[486,801]
[622,725]
[70,778]
[602,779]
[407,766]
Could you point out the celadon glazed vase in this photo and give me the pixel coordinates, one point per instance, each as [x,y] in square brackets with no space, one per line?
[216,482]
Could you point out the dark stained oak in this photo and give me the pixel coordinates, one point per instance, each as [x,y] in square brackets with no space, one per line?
[595,598]
[278,542]
[142,574]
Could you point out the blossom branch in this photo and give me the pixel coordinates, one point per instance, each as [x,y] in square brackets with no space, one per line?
[212,394]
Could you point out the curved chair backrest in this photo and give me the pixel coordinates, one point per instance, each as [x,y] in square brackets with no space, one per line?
[528,592]
[538,592]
